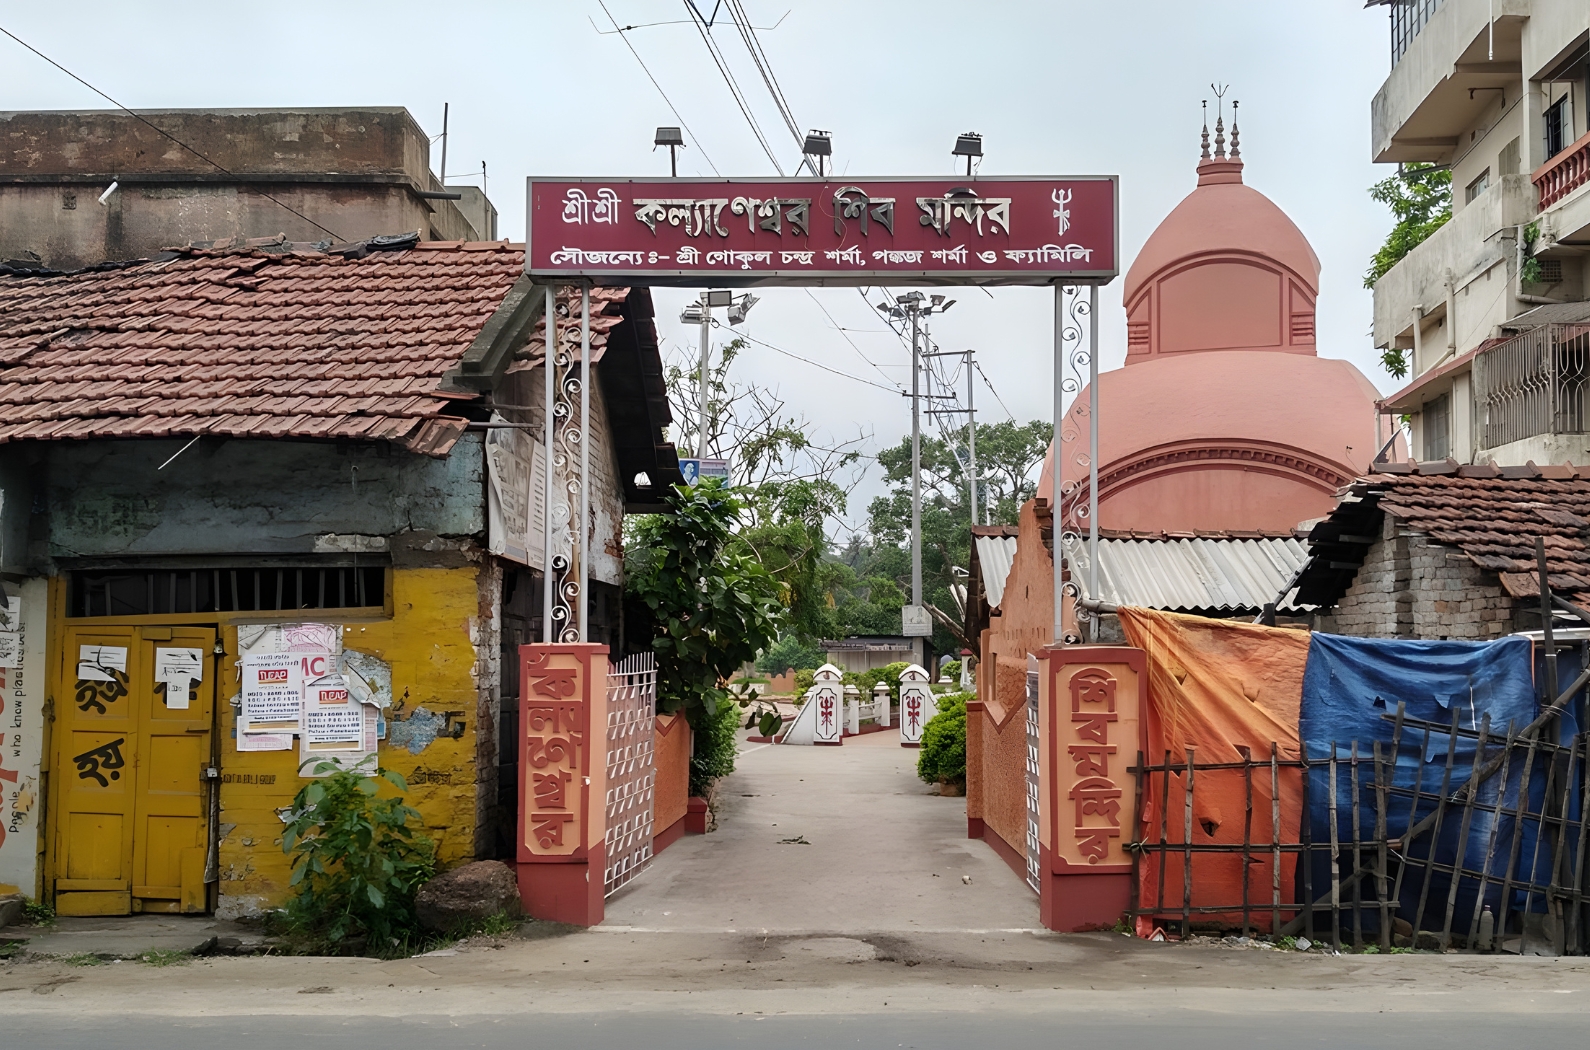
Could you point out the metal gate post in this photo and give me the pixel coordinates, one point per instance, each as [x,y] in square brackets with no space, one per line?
[1089,699]
[562,781]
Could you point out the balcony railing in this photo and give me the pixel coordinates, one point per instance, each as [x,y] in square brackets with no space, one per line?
[1564,173]
[1533,384]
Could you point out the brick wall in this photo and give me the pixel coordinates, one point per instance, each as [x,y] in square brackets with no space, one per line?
[1411,587]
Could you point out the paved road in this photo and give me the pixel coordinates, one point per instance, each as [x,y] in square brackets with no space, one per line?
[735,939]
[1092,1030]
[874,850]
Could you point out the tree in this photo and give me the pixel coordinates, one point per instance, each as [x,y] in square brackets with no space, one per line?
[1420,199]
[712,606]
[1006,455]
[791,485]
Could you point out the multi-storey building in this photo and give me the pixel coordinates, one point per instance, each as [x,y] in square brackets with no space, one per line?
[1491,309]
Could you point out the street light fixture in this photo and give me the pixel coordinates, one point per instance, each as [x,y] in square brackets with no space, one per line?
[819,144]
[674,139]
[969,145]
[700,312]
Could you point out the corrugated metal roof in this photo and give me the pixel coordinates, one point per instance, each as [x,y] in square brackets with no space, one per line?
[1207,573]
[994,555]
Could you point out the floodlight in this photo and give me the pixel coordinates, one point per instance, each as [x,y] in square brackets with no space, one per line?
[674,139]
[738,311]
[721,297]
[968,145]
[692,314]
[818,144]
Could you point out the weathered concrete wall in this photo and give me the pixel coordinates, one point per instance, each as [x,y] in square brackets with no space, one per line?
[108,498]
[436,671]
[1409,587]
[353,172]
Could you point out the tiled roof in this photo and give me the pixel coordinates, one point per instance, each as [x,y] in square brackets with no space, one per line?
[289,342]
[1491,514]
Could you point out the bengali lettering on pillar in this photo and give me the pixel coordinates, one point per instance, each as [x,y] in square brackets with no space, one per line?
[555,760]
[1093,704]
[808,231]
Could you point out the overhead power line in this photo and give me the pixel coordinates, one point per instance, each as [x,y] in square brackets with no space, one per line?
[623,35]
[817,364]
[703,27]
[165,134]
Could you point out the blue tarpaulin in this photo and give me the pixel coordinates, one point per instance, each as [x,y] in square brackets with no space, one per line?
[1348,685]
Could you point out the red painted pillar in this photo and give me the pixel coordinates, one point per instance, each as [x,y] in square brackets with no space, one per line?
[1089,699]
[563,781]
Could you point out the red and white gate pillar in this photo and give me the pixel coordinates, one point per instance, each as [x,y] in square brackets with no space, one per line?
[563,781]
[1089,699]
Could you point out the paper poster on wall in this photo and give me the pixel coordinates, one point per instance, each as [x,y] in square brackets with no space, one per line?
[10,649]
[363,759]
[272,693]
[254,639]
[21,738]
[333,720]
[177,670]
[369,677]
[264,741]
[96,662]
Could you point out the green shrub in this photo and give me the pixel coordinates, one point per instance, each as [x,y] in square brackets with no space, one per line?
[951,670]
[356,862]
[942,759]
[715,745]
[803,681]
[789,653]
[865,680]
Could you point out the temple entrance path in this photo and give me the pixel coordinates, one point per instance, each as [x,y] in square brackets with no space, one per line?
[874,851]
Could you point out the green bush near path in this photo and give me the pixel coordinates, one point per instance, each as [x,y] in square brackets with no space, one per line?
[942,759]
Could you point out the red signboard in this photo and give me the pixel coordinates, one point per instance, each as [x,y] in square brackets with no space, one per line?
[833,232]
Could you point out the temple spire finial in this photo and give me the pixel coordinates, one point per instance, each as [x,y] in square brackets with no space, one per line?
[1205,154]
[1220,119]
[1236,148]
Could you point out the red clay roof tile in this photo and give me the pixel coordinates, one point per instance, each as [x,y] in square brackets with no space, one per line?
[244,342]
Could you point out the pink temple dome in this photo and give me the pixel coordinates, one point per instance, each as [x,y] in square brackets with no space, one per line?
[1224,419]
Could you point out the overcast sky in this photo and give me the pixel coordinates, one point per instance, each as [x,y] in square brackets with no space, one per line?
[1056,88]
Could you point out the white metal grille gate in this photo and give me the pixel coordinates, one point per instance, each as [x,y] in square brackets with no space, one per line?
[631,775]
[1032,779]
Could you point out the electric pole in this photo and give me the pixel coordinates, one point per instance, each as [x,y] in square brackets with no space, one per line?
[913,307]
[701,383]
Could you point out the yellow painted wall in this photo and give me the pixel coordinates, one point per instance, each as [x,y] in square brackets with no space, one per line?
[428,644]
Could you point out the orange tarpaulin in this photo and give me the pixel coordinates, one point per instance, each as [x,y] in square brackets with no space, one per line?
[1216,687]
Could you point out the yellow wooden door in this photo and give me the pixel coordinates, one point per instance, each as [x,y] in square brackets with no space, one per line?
[169,818]
[130,829]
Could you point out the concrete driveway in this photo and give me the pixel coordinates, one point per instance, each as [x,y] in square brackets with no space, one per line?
[873,850]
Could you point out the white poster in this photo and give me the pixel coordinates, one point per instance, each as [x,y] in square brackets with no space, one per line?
[272,693]
[264,741]
[311,757]
[21,740]
[177,670]
[333,720]
[96,662]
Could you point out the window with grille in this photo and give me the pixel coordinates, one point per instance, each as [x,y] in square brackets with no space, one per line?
[1559,127]
[245,588]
